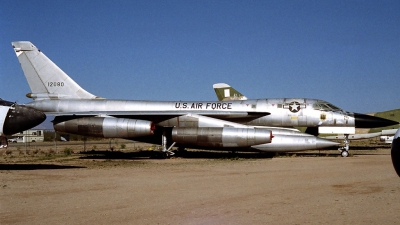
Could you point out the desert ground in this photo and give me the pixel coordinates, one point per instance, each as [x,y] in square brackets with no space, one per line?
[123,187]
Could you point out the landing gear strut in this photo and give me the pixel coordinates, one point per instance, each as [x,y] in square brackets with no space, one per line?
[166,152]
[344,151]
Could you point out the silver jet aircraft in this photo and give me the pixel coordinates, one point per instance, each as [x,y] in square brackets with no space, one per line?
[228,125]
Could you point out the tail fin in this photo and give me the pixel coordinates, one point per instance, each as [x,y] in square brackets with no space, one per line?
[45,78]
[226,93]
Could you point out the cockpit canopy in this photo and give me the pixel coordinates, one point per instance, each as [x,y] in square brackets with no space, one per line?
[326,106]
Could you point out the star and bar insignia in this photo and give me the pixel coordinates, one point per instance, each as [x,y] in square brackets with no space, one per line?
[294,107]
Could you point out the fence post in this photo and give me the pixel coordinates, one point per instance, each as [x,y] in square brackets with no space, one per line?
[55,141]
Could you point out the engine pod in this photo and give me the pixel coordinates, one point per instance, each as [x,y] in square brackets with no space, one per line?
[107,127]
[226,137]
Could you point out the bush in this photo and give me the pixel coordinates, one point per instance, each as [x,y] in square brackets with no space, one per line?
[67,151]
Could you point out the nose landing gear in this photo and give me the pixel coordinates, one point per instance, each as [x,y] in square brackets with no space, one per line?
[344,151]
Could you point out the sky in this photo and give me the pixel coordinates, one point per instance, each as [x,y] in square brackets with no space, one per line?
[344,52]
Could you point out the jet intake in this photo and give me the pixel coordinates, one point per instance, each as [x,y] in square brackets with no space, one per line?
[108,127]
[226,137]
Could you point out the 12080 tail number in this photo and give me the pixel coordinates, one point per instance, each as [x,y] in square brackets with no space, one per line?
[55,84]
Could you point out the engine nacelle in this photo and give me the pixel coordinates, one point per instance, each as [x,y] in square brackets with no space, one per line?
[226,137]
[16,118]
[108,127]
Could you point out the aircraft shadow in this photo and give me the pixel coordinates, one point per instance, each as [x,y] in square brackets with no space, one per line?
[36,167]
[225,155]
[106,154]
[98,154]
[156,155]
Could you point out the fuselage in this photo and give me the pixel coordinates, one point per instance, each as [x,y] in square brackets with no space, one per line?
[281,112]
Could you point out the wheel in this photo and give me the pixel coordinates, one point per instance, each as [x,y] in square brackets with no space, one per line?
[345,153]
[165,155]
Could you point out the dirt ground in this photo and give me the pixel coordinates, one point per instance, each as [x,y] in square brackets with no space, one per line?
[199,188]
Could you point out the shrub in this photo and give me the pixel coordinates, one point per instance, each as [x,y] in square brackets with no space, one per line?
[67,151]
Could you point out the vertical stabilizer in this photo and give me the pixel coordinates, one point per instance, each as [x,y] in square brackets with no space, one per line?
[227,93]
[45,78]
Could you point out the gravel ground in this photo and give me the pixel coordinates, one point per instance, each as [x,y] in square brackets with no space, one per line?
[82,189]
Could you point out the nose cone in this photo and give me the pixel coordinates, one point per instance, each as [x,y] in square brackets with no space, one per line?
[20,118]
[396,152]
[323,143]
[366,121]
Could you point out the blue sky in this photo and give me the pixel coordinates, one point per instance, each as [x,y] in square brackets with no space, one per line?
[344,52]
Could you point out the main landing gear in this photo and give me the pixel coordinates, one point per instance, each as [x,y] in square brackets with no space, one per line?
[344,151]
[166,152]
